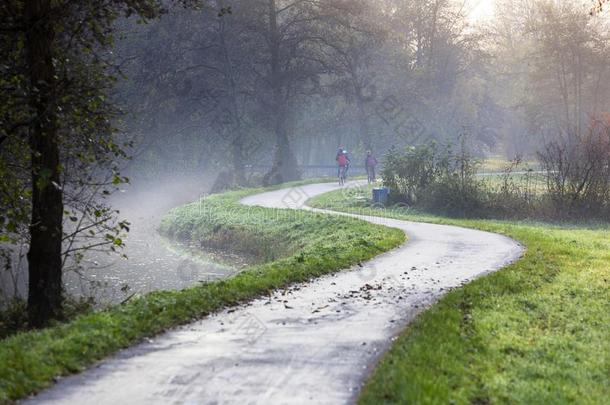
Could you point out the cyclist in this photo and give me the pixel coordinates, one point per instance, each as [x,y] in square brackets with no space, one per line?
[370,163]
[343,162]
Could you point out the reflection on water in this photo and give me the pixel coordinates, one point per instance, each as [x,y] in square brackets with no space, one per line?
[153,262]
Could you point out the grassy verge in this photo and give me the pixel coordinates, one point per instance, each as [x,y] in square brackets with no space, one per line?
[499,163]
[310,245]
[534,332]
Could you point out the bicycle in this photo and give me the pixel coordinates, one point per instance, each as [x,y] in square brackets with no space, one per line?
[343,174]
[370,174]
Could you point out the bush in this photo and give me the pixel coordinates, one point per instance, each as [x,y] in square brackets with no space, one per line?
[451,195]
[437,179]
[578,173]
[575,183]
[13,318]
[410,172]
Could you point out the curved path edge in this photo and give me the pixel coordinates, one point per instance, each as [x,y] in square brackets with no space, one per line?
[311,343]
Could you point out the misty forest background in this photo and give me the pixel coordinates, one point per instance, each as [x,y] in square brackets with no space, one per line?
[208,93]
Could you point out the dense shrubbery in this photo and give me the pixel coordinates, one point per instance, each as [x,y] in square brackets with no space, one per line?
[574,182]
[578,172]
[436,178]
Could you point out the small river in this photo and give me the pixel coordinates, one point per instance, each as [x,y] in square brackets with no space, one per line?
[153,262]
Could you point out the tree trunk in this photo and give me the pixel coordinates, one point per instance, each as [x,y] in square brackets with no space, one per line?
[44,256]
[285,165]
[365,135]
[237,145]
[238,160]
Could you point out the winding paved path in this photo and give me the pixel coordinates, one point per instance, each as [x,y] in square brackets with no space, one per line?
[313,343]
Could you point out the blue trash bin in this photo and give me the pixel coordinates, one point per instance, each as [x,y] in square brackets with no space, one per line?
[380,195]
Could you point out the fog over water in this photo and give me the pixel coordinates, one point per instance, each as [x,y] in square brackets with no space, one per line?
[152,262]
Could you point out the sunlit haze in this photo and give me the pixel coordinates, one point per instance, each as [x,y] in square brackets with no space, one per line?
[480,9]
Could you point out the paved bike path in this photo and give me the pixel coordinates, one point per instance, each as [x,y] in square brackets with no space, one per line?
[315,342]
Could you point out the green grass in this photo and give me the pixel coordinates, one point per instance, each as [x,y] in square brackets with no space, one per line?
[535,332]
[499,163]
[533,183]
[310,245]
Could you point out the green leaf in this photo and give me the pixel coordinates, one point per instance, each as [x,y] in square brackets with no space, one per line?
[11,227]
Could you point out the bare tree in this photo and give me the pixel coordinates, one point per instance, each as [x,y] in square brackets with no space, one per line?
[294,58]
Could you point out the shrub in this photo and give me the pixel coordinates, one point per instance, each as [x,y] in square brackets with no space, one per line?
[578,172]
[575,183]
[13,318]
[436,178]
[456,191]
[518,192]
[451,195]
[410,172]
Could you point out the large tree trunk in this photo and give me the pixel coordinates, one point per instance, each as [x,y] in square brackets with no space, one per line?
[44,256]
[363,121]
[285,166]
[238,159]
[237,145]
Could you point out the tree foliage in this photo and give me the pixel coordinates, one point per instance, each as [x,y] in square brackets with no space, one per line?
[58,149]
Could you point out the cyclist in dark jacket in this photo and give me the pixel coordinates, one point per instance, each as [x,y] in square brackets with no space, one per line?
[370,162]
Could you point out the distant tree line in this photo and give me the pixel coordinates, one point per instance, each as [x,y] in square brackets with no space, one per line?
[286,83]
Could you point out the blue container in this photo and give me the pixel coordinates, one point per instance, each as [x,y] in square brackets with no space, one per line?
[380,195]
